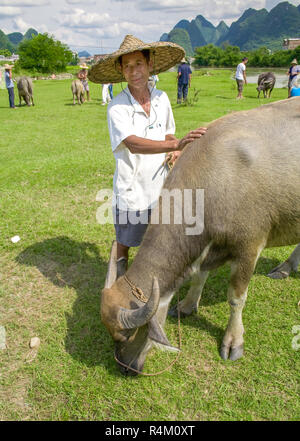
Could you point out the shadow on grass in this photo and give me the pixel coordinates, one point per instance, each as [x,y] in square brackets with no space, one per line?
[77,265]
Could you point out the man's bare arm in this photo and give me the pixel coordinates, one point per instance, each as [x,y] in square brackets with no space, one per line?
[140,145]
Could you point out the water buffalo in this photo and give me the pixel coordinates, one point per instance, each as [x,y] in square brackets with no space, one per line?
[265,83]
[249,167]
[78,91]
[25,90]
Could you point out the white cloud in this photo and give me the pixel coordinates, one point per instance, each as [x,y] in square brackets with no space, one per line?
[80,2]
[8,11]
[24,3]
[78,18]
[20,25]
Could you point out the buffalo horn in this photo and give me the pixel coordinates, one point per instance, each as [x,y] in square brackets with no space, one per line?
[111,275]
[135,318]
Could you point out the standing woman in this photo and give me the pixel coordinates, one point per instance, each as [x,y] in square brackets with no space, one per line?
[10,85]
[141,128]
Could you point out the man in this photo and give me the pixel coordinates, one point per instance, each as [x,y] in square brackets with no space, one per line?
[240,77]
[106,97]
[10,85]
[82,76]
[184,81]
[141,128]
[293,72]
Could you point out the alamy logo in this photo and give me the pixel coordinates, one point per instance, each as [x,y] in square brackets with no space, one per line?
[176,206]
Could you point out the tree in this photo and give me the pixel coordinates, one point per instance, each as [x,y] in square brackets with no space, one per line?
[75,60]
[5,52]
[44,54]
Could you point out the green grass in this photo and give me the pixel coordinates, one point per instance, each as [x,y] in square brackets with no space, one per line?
[55,157]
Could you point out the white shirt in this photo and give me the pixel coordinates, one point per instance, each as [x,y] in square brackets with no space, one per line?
[240,71]
[138,178]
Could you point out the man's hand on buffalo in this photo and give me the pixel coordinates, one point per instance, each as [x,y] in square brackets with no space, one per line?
[190,137]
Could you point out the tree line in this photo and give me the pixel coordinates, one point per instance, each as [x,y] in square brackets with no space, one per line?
[45,54]
[230,56]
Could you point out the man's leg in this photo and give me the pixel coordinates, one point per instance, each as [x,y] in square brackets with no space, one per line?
[179,94]
[11,97]
[185,91]
[122,259]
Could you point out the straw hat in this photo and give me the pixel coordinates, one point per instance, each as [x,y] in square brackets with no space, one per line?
[294,61]
[163,55]
[84,66]
[8,66]
[183,60]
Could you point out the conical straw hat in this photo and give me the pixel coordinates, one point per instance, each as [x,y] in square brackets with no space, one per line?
[163,55]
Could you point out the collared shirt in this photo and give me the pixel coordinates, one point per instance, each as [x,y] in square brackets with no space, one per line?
[239,75]
[9,82]
[138,178]
[185,71]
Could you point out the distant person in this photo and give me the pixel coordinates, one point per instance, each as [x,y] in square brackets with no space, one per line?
[82,76]
[293,72]
[184,81]
[240,77]
[9,85]
[110,89]
[106,98]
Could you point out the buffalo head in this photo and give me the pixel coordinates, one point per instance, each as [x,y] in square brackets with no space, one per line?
[132,324]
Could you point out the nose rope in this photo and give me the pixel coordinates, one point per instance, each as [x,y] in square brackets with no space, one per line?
[170,365]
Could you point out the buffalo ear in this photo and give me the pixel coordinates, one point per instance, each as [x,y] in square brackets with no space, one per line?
[158,336]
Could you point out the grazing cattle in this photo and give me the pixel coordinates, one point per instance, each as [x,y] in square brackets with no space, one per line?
[78,91]
[265,83]
[284,269]
[248,164]
[25,89]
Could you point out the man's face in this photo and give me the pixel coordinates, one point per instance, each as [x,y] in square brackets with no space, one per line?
[135,69]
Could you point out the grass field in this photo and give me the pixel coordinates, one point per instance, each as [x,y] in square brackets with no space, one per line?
[55,157]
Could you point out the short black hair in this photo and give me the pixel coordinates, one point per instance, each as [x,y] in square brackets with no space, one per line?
[245,58]
[145,52]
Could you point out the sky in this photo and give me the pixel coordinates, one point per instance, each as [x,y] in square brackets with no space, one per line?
[99,26]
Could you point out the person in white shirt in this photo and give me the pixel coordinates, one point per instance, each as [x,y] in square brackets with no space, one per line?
[142,130]
[240,77]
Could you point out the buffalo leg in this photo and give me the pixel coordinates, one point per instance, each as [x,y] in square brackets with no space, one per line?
[233,343]
[284,269]
[191,301]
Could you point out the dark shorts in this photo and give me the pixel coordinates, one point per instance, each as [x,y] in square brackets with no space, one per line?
[130,226]
[240,85]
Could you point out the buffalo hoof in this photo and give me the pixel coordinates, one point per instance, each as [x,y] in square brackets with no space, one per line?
[173,312]
[278,275]
[232,353]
